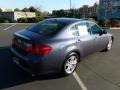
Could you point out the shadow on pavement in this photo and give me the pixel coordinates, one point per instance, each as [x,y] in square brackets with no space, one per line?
[11,75]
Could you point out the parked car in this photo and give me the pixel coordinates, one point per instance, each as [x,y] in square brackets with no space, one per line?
[58,44]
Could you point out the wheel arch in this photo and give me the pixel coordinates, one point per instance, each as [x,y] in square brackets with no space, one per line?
[75,51]
[112,38]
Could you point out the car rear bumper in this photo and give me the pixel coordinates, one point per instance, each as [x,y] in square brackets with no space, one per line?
[36,64]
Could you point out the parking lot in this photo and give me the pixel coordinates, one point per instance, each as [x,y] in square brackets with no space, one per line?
[100,71]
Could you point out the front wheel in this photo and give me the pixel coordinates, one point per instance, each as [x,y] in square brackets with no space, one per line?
[109,45]
[70,64]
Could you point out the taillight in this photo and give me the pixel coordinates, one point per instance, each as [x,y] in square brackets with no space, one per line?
[39,49]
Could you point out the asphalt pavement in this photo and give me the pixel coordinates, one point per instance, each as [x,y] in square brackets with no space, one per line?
[99,71]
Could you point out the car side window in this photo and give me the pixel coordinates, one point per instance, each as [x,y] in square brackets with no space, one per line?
[83,30]
[74,30]
[94,28]
[80,30]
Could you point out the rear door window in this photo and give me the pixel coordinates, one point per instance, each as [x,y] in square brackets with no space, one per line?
[80,30]
[83,31]
[74,30]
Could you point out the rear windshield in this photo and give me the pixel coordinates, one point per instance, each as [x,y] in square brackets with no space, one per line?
[48,27]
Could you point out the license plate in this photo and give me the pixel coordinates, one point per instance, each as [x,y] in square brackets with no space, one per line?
[16,60]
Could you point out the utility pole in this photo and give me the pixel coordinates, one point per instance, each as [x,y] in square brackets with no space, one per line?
[70,4]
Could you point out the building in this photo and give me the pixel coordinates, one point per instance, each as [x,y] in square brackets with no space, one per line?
[94,11]
[89,11]
[14,16]
[109,9]
[85,10]
[7,10]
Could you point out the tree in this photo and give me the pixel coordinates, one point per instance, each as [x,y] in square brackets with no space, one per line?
[32,9]
[22,20]
[39,15]
[76,13]
[17,9]
[0,10]
[45,14]
[71,13]
[37,10]
[25,10]
[59,13]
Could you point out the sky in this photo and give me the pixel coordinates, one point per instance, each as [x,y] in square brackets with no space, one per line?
[45,5]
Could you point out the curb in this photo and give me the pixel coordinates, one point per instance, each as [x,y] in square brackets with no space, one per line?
[114,27]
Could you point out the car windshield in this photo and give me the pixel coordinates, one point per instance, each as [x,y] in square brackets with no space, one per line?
[48,27]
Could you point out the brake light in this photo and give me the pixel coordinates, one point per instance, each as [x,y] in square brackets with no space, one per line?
[39,49]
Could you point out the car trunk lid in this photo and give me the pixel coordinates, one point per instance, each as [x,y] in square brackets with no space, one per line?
[26,39]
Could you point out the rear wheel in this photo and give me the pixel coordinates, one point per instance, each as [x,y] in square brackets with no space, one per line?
[70,64]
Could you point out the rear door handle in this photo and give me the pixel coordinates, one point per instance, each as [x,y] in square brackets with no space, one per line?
[78,41]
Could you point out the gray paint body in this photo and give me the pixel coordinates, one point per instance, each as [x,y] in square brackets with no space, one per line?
[62,44]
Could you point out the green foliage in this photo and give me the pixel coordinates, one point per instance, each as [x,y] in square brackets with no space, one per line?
[38,17]
[22,20]
[92,20]
[17,9]
[67,13]
[25,10]
[5,20]
[29,20]
[0,10]
[1,19]
[32,9]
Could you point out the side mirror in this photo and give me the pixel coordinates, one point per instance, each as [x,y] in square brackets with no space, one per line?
[104,32]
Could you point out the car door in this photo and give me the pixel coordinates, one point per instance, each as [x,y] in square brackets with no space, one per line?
[100,39]
[84,40]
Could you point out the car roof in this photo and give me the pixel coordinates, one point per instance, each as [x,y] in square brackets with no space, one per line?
[67,20]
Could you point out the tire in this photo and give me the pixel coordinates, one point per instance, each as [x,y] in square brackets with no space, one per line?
[70,63]
[109,45]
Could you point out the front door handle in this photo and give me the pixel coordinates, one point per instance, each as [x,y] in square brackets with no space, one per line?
[95,38]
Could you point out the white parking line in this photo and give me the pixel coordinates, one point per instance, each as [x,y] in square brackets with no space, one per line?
[81,84]
[10,26]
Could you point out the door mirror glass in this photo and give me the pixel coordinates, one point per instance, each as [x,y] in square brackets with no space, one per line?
[104,32]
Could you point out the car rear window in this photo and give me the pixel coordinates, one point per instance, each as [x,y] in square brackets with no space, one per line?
[48,27]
